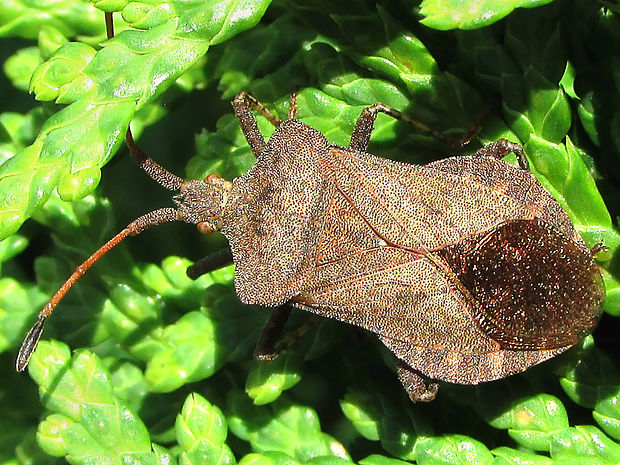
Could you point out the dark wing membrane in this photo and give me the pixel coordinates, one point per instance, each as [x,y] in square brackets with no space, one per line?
[531,288]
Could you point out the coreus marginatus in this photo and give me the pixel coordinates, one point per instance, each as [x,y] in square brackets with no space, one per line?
[467,269]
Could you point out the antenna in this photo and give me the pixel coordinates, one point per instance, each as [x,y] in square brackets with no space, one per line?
[194,206]
[162,215]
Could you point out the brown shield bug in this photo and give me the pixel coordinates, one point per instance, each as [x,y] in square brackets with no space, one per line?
[466,268]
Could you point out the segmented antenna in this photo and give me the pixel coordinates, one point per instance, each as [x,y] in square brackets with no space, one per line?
[162,215]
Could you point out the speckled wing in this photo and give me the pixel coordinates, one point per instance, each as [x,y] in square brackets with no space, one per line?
[428,207]
[362,278]
[499,279]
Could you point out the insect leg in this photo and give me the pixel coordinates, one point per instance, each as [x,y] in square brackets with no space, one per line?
[210,263]
[267,347]
[364,125]
[598,248]
[109,25]
[502,147]
[241,105]
[414,384]
[292,108]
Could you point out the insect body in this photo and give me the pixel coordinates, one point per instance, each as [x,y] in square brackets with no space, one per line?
[466,268]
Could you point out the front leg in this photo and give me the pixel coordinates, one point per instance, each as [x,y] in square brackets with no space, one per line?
[212,262]
[365,123]
[242,105]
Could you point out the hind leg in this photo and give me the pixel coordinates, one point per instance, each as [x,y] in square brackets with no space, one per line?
[413,382]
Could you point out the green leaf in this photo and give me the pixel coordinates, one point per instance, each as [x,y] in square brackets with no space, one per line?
[20,130]
[406,61]
[16,302]
[404,58]
[223,152]
[380,460]
[587,116]
[21,65]
[26,186]
[20,18]
[87,422]
[584,442]
[61,78]
[12,246]
[531,422]
[50,434]
[543,111]
[129,385]
[74,144]
[281,426]
[389,419]
[452,449]
[508,456]
[267,381]
[186,351]
[186,357]
[258,53]
[355,405]
[201,432]
[454,14]
[268,458]
[146,15]
[592,380]
[164,456]
[50,40]
[329,460]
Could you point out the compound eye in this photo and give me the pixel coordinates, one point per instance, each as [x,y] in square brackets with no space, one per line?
[212,177]
[204,227]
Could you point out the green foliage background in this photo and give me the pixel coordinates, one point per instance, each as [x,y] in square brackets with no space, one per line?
[168,375]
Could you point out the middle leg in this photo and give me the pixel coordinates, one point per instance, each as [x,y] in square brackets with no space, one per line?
[365,123]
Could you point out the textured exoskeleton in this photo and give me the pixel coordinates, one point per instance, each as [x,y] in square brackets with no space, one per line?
[467,269]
